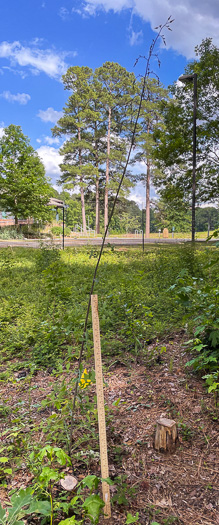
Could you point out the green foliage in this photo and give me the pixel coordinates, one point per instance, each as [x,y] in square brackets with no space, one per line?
[10,233]
[124,492]
[70,521]
[4,470]
[171,212]
[205,218]
[174,145]
[44,298]
[45,472]
[24,188]
[93,506]
[132,519]
[43,303]
[58,230]
[199,298]
[16,511]
[185,431]
[25,502]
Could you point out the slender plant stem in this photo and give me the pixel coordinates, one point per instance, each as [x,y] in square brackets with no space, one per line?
[146,74]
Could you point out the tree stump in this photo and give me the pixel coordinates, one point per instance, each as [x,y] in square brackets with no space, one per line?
[166,435]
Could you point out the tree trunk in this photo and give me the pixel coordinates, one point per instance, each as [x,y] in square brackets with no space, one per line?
[97,225]
[147,229]
[107,172]
[148,180]
[83,210]
[82,189]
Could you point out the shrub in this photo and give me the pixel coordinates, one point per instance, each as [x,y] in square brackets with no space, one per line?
[57,231]
[10,233]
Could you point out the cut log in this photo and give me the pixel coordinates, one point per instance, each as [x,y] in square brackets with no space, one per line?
[166,435]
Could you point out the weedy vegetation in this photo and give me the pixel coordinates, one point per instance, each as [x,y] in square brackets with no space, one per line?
[143,297]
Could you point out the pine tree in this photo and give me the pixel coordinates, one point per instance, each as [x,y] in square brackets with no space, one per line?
[98,150]
[77,168]
[150,121]
[116,89]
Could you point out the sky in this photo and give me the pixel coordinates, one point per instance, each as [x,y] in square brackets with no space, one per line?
[40,39]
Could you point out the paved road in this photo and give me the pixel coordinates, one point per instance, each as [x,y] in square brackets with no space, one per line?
[34,243]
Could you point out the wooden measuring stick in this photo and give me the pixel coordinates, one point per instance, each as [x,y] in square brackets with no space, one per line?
[100,406]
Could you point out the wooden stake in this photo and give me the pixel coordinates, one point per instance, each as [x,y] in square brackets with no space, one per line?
[100,406]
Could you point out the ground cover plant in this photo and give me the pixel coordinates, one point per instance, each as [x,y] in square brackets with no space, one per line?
[149,305]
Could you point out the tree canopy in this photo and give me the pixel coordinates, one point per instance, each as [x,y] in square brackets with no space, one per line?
[24,189]
[174,145]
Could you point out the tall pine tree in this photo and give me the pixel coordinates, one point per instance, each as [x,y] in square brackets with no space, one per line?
[150,121]
[116,89]
[77,168]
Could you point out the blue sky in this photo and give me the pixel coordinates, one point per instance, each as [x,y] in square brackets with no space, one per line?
[40,39]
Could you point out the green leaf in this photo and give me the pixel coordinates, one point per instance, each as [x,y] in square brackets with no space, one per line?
[214,386]
[2,516]
[8,471]
[62,457]
[116,403]
[74,500]
[132,519]
[4,460]
[47,475]
[70,521]
[91,482]
[18,501]
[40,507]
[108,480]
[93,505]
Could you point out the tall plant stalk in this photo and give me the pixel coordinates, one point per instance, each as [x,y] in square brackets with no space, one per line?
[151,54]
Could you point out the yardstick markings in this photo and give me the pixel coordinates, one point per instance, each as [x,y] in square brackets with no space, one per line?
[100,405]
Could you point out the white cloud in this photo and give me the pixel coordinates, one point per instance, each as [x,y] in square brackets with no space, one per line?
[52,140]
[135,37]
[49,140]
[21,98]
[2,130]
[51,159]
[19,72]
[37,60]
[194,19]
[77,11]
[63,13]
[49,115]
[91,6]
[37,41]
[137,194]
